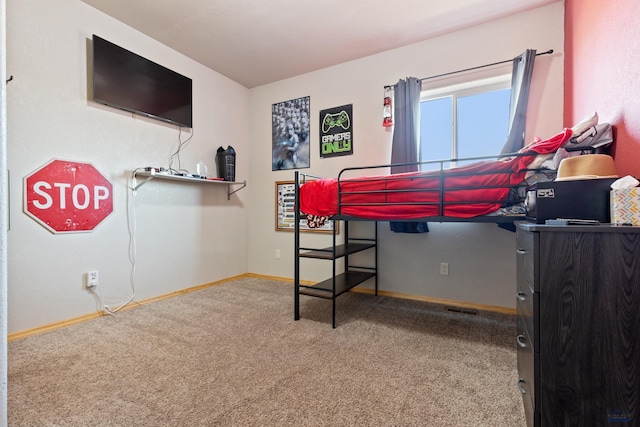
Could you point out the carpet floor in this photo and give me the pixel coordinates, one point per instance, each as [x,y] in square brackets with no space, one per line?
[232,355]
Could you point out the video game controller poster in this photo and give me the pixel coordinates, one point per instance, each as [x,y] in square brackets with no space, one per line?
[336,131]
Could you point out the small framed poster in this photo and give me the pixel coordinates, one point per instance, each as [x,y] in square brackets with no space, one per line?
[285,211]
[336,131]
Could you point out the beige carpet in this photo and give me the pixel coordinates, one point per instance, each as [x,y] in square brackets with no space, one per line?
[232,355]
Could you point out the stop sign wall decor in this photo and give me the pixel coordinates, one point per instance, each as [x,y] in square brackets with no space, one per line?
[68,197]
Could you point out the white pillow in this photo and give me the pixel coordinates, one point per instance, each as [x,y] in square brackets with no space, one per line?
[585,124]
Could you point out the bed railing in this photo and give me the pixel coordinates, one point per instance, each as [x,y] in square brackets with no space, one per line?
[443,175]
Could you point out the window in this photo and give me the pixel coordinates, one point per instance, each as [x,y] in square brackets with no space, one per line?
[464,120]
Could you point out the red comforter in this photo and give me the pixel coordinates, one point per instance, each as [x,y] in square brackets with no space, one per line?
[417,194]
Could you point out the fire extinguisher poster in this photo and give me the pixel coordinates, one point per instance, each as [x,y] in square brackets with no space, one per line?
[336,131]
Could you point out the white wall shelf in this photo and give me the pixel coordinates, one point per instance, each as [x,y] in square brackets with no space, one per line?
[148,176]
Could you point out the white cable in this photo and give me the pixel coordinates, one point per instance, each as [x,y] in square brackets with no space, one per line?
[98,293]
[131,222]
[181,145]
[131,225]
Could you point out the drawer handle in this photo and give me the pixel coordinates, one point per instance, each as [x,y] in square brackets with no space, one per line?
[522,341]
[522,296]
[522,385]
[521,251]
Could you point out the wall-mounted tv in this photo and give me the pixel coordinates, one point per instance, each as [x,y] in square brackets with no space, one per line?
[125,80]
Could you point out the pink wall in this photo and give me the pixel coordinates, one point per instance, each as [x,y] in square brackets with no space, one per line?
[602,71]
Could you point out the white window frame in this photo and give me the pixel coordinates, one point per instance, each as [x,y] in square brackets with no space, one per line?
[459,90]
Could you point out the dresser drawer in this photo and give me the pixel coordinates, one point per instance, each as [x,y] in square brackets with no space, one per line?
[527,307]
[525,351]
[525,385]
[526,359]
[526,259]
[529,410]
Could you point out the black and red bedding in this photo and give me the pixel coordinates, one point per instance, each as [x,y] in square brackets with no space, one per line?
[464,192]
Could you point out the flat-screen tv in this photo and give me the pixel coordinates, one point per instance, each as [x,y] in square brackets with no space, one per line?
[125,80]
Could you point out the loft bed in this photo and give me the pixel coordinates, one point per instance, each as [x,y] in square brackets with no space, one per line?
[487,190]
[473,192]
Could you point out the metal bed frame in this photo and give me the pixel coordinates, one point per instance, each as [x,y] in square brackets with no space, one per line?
[352,275]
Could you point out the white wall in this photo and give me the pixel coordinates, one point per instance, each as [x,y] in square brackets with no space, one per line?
[4,215]
[190,234]
[480,256]
[187,234]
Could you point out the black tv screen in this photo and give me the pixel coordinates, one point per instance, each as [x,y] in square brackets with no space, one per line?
[125,80]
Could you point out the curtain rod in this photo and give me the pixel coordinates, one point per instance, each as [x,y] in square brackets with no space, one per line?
[550,51]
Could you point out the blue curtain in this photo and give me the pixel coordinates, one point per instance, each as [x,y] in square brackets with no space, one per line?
[520,85]
[406,131]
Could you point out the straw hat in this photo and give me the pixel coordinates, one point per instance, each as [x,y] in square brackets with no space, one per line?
[587,166]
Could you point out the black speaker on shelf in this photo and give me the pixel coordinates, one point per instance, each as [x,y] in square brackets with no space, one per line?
[226,163]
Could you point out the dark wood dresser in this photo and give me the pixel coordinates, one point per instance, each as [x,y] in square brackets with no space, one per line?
[578,304]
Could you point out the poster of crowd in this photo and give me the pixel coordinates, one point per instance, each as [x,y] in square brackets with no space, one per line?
[290,135]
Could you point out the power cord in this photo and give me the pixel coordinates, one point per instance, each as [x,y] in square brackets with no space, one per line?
[95,290]
[176,154]
[131,225]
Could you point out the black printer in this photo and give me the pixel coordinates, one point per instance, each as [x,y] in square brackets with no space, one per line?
[585,199]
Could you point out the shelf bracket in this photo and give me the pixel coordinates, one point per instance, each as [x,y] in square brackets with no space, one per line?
[229,192]
[147,179]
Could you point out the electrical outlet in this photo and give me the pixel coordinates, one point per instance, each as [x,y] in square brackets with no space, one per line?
[92,279]
[277,253]
[444,268]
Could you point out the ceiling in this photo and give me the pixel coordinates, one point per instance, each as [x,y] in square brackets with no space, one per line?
[255,42]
